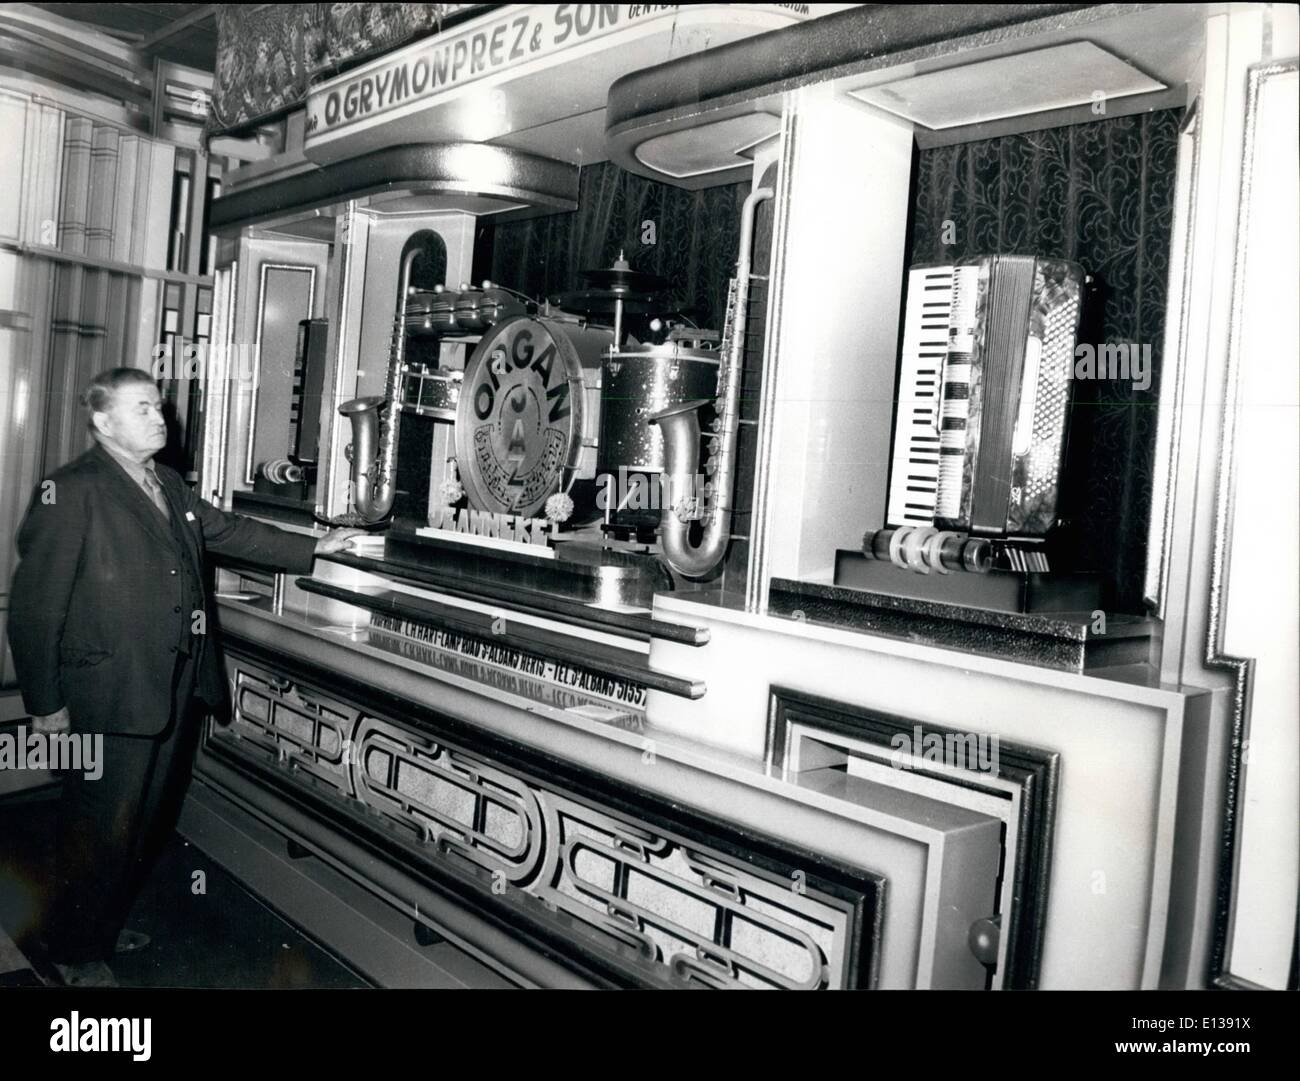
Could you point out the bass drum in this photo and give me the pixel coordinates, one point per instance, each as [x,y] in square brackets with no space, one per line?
[529,416]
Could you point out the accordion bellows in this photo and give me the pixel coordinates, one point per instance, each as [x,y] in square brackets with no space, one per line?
[983,397]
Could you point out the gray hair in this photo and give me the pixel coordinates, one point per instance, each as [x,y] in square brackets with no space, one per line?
[99,392]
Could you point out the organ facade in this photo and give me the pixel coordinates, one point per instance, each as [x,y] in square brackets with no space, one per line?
[718,620]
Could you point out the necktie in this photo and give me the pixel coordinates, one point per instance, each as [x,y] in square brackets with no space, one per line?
[154,488]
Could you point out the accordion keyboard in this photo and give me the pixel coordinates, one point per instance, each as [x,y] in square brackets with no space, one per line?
[914,479]
[954,415]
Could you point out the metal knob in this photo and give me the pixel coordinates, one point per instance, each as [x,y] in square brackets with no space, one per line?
[984,938]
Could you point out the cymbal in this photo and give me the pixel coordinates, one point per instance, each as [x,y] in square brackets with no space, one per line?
[603,301]
[623,279]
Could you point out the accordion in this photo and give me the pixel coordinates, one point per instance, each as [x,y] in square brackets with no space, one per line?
[983,396]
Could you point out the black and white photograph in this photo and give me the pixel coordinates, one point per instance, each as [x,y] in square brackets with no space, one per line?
[792,497]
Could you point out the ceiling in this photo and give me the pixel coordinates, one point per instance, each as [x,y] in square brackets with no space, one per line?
[181,33]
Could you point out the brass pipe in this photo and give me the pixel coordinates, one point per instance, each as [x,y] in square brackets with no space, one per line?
[680,425]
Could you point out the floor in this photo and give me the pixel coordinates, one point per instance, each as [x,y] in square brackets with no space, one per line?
[207,930]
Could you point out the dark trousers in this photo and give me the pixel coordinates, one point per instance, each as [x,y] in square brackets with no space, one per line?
[111,830]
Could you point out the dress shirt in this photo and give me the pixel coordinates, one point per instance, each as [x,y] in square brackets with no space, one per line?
[144,474]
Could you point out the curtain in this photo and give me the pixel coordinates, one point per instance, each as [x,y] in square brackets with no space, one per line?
[689,237]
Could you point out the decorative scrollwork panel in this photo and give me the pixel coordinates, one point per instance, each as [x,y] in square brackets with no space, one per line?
[656,895]
[448,799]
[299,729]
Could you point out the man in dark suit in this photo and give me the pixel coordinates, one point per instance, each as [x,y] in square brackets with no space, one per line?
[108,625]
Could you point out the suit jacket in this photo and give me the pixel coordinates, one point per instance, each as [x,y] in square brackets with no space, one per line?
[96,607]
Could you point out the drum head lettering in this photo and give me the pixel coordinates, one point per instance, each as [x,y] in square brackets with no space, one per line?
[519,424]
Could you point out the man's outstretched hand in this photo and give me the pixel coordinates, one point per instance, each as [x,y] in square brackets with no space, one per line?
[337,540]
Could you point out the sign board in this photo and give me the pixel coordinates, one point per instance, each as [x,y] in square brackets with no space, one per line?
[518,40]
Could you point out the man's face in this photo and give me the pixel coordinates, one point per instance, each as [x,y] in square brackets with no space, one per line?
[134,420]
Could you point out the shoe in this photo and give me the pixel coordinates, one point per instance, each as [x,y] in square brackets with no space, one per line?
[90,974]
[130,941]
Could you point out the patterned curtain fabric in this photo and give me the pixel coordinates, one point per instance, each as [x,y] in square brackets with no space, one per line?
[689,237]
[269,54]
[1101,194]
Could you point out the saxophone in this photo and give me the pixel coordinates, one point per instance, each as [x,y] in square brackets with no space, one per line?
[373,451]
[680,425]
